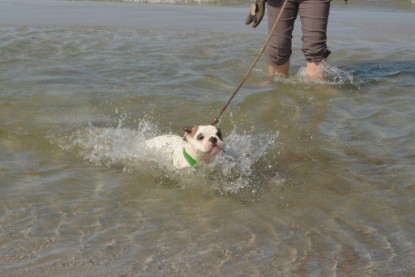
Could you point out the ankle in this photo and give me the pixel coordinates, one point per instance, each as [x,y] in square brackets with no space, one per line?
[316,70]
[279,70]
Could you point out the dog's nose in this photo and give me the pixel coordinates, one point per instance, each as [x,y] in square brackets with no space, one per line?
[213,140]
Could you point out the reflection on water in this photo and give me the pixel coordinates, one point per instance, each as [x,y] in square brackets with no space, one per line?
[317,178]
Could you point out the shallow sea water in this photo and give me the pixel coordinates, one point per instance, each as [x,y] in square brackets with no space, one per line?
[317,178]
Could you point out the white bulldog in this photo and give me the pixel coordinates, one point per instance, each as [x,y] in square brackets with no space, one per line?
[199,144]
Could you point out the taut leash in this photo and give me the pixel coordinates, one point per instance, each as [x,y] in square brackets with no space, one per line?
[261,51]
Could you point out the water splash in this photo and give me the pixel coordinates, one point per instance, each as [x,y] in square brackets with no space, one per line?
[334,76]
[230,172]
[109,146]
[236,169]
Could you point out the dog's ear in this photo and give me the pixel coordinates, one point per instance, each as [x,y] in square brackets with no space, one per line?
[187,132]
[219,134]
[187,129]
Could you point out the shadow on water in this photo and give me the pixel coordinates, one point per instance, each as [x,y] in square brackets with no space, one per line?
[372,73]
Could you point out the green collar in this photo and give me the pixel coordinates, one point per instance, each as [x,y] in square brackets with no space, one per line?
[192,162]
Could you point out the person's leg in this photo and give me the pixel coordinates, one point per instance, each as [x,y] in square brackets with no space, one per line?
[279,48]
[314,16]
[282,69]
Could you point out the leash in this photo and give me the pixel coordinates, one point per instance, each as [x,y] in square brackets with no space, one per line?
[261,51]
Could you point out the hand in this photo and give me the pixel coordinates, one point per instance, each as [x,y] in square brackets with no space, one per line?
[256,13]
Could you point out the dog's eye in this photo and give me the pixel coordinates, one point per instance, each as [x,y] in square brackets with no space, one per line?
[200,137]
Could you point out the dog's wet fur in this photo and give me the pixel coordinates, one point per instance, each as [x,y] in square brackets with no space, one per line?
[201,143]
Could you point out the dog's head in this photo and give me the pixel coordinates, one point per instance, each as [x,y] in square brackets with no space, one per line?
[205,140]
